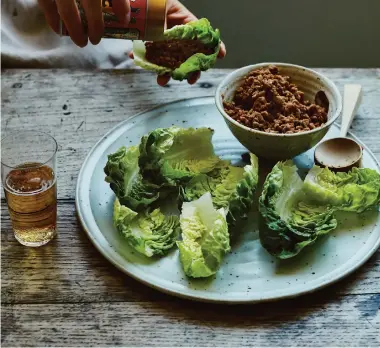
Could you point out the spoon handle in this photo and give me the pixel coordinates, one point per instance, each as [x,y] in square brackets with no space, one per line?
[351,101]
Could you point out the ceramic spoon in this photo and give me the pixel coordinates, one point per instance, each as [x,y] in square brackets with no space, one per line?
[341,154]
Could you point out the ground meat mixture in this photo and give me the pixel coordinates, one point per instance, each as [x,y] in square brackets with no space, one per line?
[269,102]
[172,53]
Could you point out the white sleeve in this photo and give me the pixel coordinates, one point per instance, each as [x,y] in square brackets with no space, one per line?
[28,42]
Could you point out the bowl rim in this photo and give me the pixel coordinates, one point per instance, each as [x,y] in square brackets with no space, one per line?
[323,78]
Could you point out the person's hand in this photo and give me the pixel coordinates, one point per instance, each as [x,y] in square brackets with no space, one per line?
[68,11]
[178,14]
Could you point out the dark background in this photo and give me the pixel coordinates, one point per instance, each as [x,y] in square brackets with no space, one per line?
[319,33]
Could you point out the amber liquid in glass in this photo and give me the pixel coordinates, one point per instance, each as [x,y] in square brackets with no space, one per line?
[31,194]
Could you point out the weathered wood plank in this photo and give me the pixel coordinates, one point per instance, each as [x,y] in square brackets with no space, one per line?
[67,294]
[70,269]
[78,107]
[314,322]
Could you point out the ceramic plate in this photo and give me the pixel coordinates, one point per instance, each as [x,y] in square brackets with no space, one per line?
[248,273]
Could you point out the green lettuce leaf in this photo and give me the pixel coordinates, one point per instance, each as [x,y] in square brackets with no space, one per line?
[205,237]
[355,191]
[173,156]
[200,30]
[231,188]
[123,175]
[197,30]
[290,219]
[149,233]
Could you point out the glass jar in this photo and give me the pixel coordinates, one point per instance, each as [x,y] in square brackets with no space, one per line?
[147,21]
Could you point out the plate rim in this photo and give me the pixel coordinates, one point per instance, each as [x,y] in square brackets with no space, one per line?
[201,295]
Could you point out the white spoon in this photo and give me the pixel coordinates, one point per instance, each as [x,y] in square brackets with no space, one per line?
[341,154]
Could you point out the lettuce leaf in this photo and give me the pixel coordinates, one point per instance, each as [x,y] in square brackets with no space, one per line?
[173,156]
[197,30]
[355,191]
[123,175]
[231,188]
[205,237]
[290,219]
[149,233]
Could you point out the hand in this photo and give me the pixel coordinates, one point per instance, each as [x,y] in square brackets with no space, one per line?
[68,11]
[178,14]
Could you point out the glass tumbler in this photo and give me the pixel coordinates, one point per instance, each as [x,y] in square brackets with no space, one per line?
[28,173]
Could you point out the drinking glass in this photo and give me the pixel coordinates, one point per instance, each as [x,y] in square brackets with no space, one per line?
[28,174]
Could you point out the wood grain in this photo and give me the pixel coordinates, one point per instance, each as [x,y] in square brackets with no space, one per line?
[312,321]
[67,294]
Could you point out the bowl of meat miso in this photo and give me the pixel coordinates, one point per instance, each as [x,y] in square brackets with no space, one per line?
[277,110]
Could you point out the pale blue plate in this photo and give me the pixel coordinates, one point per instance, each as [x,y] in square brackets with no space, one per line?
[249,273]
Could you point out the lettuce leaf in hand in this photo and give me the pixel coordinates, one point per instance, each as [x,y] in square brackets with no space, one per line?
[205,237]
[290,220]
[231,188]
[173,156]
[200,30]
[149,233]
[355,191]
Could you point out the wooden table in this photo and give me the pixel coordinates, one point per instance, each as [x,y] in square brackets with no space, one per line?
[67,294]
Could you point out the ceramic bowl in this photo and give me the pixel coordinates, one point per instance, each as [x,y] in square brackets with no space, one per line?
[281,146]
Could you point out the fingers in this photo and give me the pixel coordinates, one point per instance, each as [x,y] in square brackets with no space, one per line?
[94,16]
[69,13]
[50,11]
[178,14]
[194,77]
[163,80]
[222,51]
[122,9]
